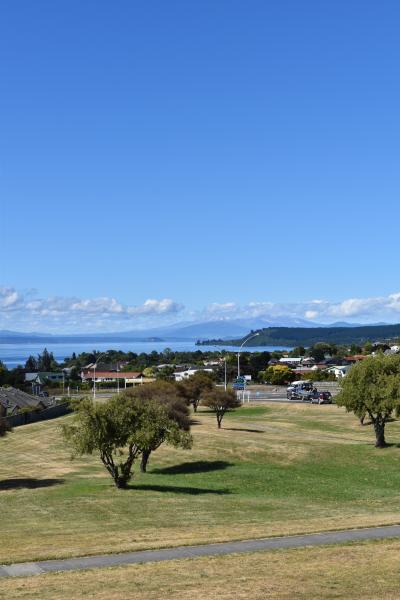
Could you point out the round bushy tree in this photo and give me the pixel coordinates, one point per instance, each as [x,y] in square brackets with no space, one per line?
[220,402]
[372,387]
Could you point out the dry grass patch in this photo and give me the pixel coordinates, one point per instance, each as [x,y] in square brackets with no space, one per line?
[361,572]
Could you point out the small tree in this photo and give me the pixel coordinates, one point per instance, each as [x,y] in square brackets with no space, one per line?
[167,411]
[165,374]
[277,375]
[220,402]
[195,386]
[107,429]
[319,350]
[46,361]
[149,372]
[372,387]
[31,364]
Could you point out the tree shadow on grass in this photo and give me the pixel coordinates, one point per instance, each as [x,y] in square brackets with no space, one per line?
[176,489]
[241,429]
[387,445]
[198,466]
[28,483]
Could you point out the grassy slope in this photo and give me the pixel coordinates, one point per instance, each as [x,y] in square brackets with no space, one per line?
[360,572]
[271,470]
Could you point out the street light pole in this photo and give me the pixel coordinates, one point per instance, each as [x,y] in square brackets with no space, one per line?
[241,346]
[225,373]
[224,359]
[94,373]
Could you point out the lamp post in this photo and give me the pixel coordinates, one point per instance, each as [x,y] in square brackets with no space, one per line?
[225,373]
[94,373]
[224,359]
[241,346]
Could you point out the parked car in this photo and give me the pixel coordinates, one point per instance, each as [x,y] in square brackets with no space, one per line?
[301,390]
[43,394]
[322,398]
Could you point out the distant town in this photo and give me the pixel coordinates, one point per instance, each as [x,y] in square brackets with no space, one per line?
[42,378]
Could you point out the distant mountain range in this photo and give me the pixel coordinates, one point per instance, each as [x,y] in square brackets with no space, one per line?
[218,329]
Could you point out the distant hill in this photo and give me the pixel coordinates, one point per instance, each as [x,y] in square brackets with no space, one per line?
[222,330]
[307,336]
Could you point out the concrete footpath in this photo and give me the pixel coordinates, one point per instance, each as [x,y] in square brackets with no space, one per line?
[146,556]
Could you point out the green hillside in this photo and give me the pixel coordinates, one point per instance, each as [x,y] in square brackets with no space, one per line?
[307,336]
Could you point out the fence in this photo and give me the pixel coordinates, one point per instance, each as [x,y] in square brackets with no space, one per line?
[59,410]
[328,386]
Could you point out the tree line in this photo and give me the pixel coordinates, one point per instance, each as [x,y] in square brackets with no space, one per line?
[308,336]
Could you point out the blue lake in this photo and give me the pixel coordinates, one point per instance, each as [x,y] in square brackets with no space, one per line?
[13,354]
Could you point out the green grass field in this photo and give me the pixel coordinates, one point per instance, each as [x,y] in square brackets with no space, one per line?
[273,469]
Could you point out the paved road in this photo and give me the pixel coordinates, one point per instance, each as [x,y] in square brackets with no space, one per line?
[146,556]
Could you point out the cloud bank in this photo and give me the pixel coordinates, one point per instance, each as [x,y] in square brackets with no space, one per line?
[321,311]
[19,309]
[25,311]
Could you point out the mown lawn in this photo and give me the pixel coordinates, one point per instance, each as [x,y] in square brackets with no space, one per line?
[272,469]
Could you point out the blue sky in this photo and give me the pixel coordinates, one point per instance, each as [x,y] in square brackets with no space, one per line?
[208,157]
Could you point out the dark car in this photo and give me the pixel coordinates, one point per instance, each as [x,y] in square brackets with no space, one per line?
[322,398]
[43,394]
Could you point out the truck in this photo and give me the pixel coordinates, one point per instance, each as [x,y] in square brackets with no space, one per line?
[300,390]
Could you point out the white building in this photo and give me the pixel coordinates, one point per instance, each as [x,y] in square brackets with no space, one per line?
[339,370]
[291,360]
[182,375]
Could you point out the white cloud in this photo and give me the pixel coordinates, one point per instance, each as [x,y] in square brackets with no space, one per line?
[311,314]
[27,312]
[77,313]
[323,311]
[9,298]
[156,307]
[226,307]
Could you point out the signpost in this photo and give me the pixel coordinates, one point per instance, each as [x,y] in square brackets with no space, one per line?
[239,383]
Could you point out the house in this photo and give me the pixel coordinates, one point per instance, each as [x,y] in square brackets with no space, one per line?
[303,370]
[339,370]
[291,361]
[332,362]
[182,375]
[103,376]
[43,377]
[101,366]
[392,350]
[355,358]
[13,401]
[37,380]
[272,362]
[308,362]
